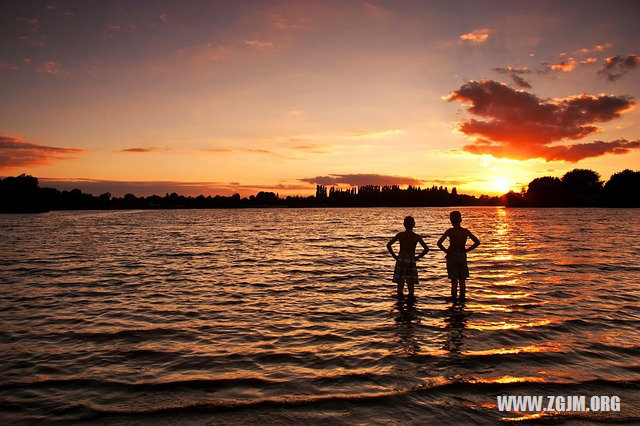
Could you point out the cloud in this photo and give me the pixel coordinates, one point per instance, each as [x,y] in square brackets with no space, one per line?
[617,66]
[206,54]
[15,152]
[564,66]
[367,134]
[223,150]
[31,32]
[476,36]
[577,152]
[258,151]
[513,73]
[570,153]
[8,66]
[446,182]
[313,148]
[141,149]
[361,179]
[521,126]
[50,67]
[258,43]
[589,61]
[27,65]
[595,48]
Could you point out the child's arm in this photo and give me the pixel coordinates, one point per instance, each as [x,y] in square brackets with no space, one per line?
[424,246]
[390,243]
[441,240]
[476,241]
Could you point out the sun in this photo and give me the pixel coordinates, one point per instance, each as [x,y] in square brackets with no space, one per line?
[502,184]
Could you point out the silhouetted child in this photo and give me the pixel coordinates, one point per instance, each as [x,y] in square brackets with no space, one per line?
[406,269]
[457,268]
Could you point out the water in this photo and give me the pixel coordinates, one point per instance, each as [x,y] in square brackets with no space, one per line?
[288,315]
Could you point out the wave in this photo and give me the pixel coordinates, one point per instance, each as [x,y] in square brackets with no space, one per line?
[384,398]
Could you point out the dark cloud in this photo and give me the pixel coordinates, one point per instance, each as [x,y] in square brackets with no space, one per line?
[520,82]
[578,151]
[617,66]
[362,179]
[139,149]
[520,125]
[15,152]
[513,73]
[312,148]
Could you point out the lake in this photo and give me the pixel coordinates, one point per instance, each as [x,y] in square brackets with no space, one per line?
[289,315]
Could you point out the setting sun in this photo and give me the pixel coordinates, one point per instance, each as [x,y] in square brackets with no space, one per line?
[502,185]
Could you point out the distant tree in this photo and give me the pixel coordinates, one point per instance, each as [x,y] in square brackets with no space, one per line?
[513,199]
[104,200]
[583,187]
[266,198]
[623,189]
[546,191]
[20,195]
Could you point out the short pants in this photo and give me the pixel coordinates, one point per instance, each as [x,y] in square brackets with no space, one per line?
[457,267]
[405,270]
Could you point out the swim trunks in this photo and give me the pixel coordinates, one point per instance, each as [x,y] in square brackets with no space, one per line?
[405,269]
[457,267]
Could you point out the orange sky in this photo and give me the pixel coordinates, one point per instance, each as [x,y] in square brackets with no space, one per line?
[222,97]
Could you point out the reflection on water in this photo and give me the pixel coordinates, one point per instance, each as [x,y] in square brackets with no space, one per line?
[456,322]
[407,319]
[286,315]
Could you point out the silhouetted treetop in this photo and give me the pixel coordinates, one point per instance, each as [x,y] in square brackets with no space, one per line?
[579,188]
[623,189]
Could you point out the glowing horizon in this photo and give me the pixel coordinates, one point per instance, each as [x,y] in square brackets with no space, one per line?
[278,96]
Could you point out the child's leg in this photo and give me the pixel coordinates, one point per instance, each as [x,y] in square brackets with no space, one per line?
[410,287]
[454,287]
[463,288]
[400,288]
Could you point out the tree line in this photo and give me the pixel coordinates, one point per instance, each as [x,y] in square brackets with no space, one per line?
[22,194]
[579,188]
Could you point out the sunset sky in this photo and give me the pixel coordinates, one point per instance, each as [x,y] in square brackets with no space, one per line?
[219,97]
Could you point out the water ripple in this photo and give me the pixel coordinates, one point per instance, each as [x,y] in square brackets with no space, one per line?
[288,315]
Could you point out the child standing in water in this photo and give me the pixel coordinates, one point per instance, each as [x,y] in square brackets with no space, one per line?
[457,268]
[406,269]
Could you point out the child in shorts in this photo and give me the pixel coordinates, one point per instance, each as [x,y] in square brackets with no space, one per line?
[406,269]
[456,253]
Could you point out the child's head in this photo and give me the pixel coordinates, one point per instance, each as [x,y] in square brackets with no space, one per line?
[456,217]
[409,222]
